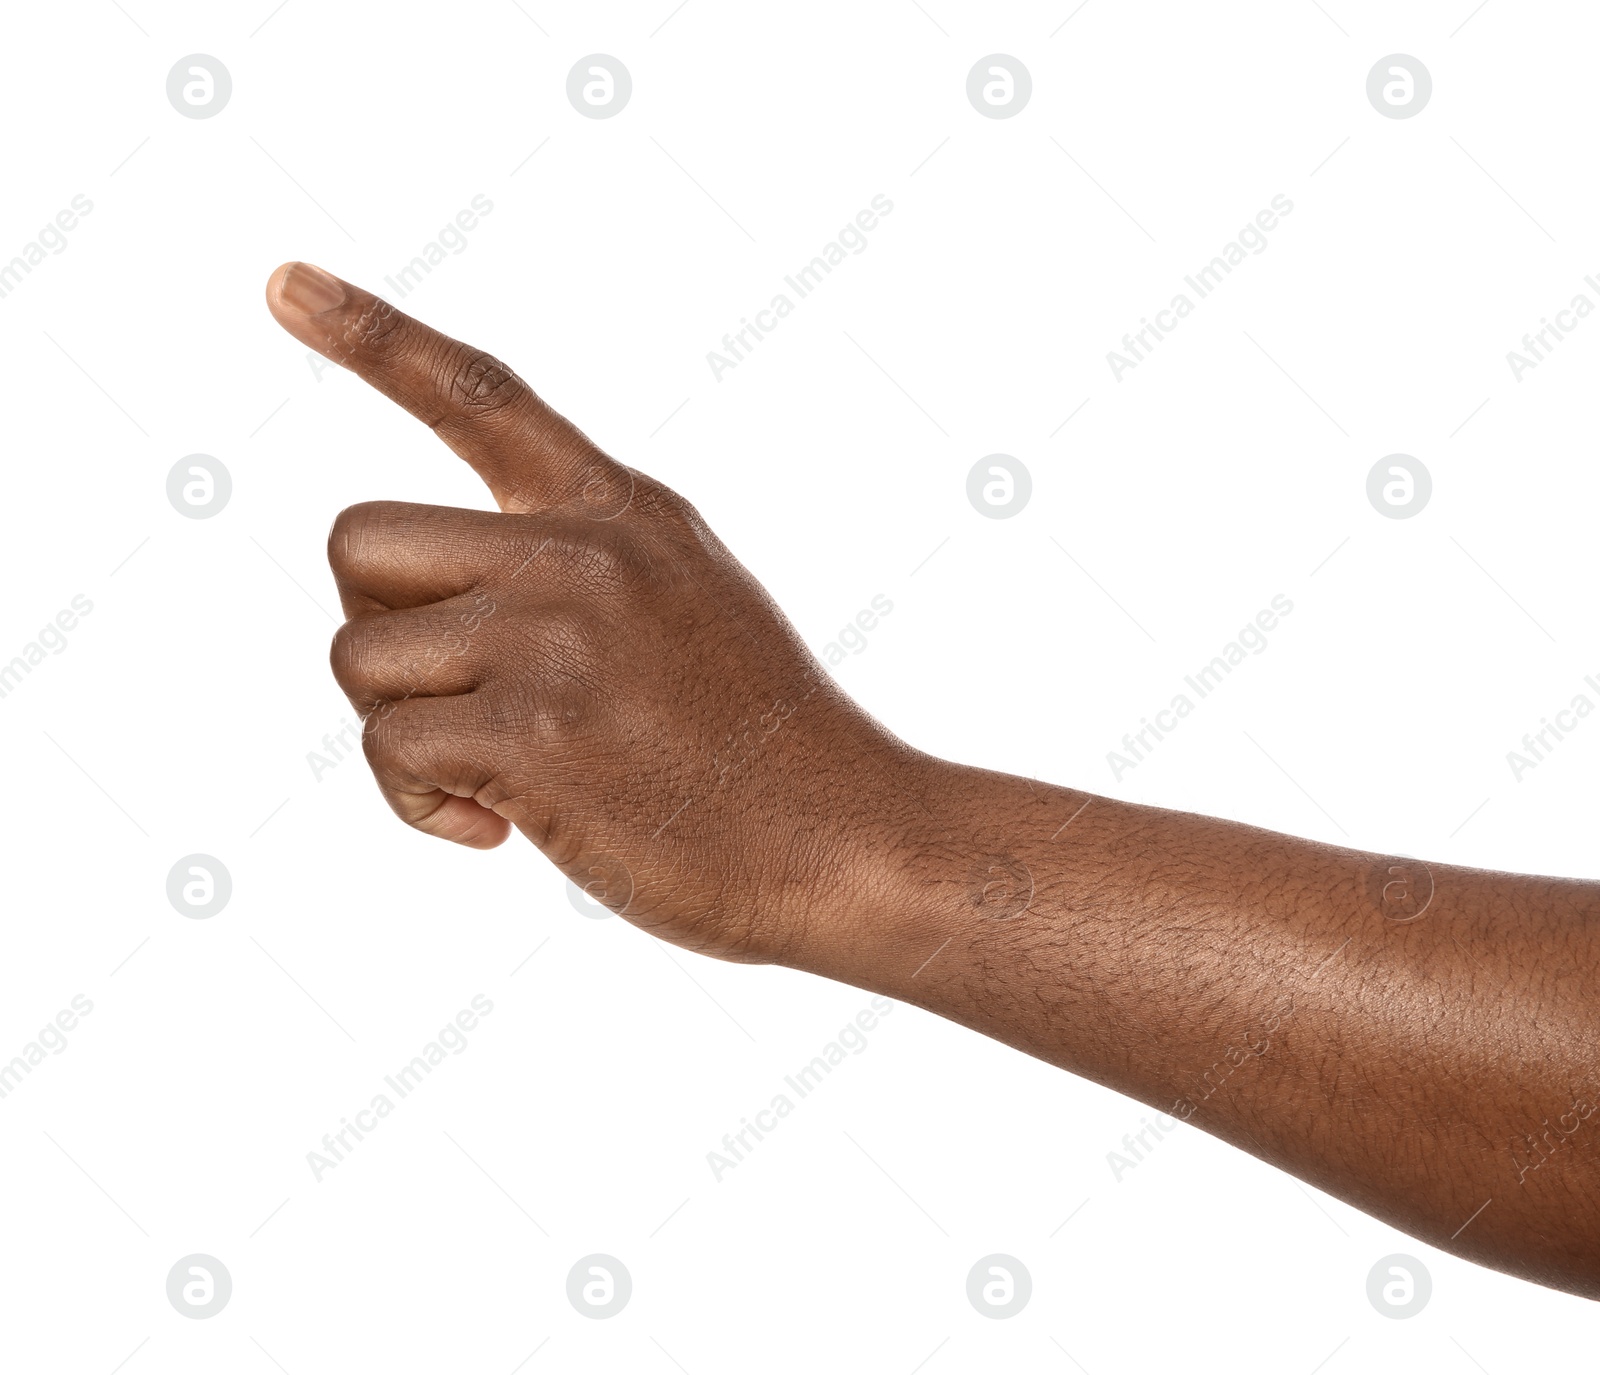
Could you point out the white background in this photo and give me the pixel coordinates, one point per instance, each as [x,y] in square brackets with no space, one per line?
[1172,507]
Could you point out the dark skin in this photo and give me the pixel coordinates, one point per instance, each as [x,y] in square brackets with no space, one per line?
[590,666]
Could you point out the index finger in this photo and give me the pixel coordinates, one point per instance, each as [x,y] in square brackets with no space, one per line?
[532,458]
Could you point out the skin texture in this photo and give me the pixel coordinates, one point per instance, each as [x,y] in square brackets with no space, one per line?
[592,667]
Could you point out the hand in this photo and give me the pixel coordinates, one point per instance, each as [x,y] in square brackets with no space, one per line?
[591,665]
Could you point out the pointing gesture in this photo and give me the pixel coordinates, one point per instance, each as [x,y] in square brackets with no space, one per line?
[590,666]
[531,458]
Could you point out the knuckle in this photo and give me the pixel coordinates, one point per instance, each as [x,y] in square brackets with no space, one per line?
[480,384]
[566,642]
[347,654]
[381,742]
[658,500]
[392,745]
[353,529]
[613,562]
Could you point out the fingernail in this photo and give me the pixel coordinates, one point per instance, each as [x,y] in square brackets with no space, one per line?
[310,289]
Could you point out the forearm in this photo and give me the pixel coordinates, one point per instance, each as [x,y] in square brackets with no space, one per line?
[1418,1040]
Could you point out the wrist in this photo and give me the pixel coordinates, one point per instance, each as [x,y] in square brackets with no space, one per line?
[950,855]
